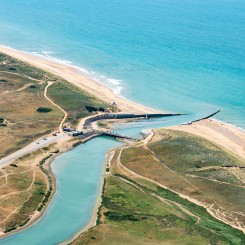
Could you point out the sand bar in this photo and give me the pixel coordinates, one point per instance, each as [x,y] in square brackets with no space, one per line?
[228,137]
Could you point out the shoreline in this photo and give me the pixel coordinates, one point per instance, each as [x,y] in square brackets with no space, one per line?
[71,74]
[231,138]
[63,147]
[94,217]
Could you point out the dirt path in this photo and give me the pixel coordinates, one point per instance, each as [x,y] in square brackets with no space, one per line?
[51,101]
[22,75]
[208,208]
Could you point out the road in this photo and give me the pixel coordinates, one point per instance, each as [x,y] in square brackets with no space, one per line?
[41,142]
[38,144]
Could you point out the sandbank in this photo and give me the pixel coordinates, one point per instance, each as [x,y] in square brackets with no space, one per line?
[230,138]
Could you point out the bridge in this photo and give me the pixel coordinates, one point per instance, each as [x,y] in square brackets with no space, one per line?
[90,133]
[96,133]
[116,135]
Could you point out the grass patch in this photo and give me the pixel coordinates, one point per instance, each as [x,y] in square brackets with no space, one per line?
[76,102]
[183,151]
[26,190]
[131,216]
[172,161]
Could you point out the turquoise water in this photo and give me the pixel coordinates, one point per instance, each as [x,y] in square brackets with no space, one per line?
[176,55]
[78,174]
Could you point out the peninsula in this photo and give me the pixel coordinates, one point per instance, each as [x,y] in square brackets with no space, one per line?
[181,180]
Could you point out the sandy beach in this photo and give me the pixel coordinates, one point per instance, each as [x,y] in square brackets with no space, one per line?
[73,76]
[224,135]
[230,138]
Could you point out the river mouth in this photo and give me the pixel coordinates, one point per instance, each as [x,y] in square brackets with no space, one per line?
[78,175]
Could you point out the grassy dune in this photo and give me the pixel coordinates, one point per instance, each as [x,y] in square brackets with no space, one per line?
[138,210]
[74,101]
[25,188]
[131,214]
[195,167]
[21,97]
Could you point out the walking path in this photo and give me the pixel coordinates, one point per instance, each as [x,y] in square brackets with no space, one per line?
[41,142]
[210,210]
[65,113]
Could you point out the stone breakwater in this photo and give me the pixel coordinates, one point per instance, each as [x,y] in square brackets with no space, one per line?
[88,122]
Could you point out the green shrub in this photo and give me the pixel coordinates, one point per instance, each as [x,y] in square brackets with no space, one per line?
[91,108]
[44,109]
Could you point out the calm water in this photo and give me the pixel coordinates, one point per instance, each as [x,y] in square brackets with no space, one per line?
[177,55]
[78,174]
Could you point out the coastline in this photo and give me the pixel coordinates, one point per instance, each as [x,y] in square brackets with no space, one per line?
[72,75]
[231,138]
[213,130]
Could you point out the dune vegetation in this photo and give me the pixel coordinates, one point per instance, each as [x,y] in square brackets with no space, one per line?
[172,190]
[26,186]
[25,112]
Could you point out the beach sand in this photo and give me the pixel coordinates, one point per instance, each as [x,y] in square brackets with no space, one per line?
[230,138]
[72,75]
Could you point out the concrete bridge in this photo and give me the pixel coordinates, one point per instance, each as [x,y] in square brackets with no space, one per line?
[96,133]
[116,135]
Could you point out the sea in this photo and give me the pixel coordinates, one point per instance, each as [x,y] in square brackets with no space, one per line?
[184,56]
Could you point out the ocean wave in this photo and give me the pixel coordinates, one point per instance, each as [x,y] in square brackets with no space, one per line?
[113,84]
[229,124]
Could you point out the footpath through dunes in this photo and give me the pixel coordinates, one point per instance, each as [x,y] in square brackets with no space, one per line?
[30,107]
[25,189]
[140,204]
[194,168]
[73,76]
[65,113]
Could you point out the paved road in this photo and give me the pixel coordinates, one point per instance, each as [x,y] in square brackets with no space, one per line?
[38,144]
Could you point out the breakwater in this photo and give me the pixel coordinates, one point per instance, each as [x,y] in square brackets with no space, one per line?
[88,122]
[202,118]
